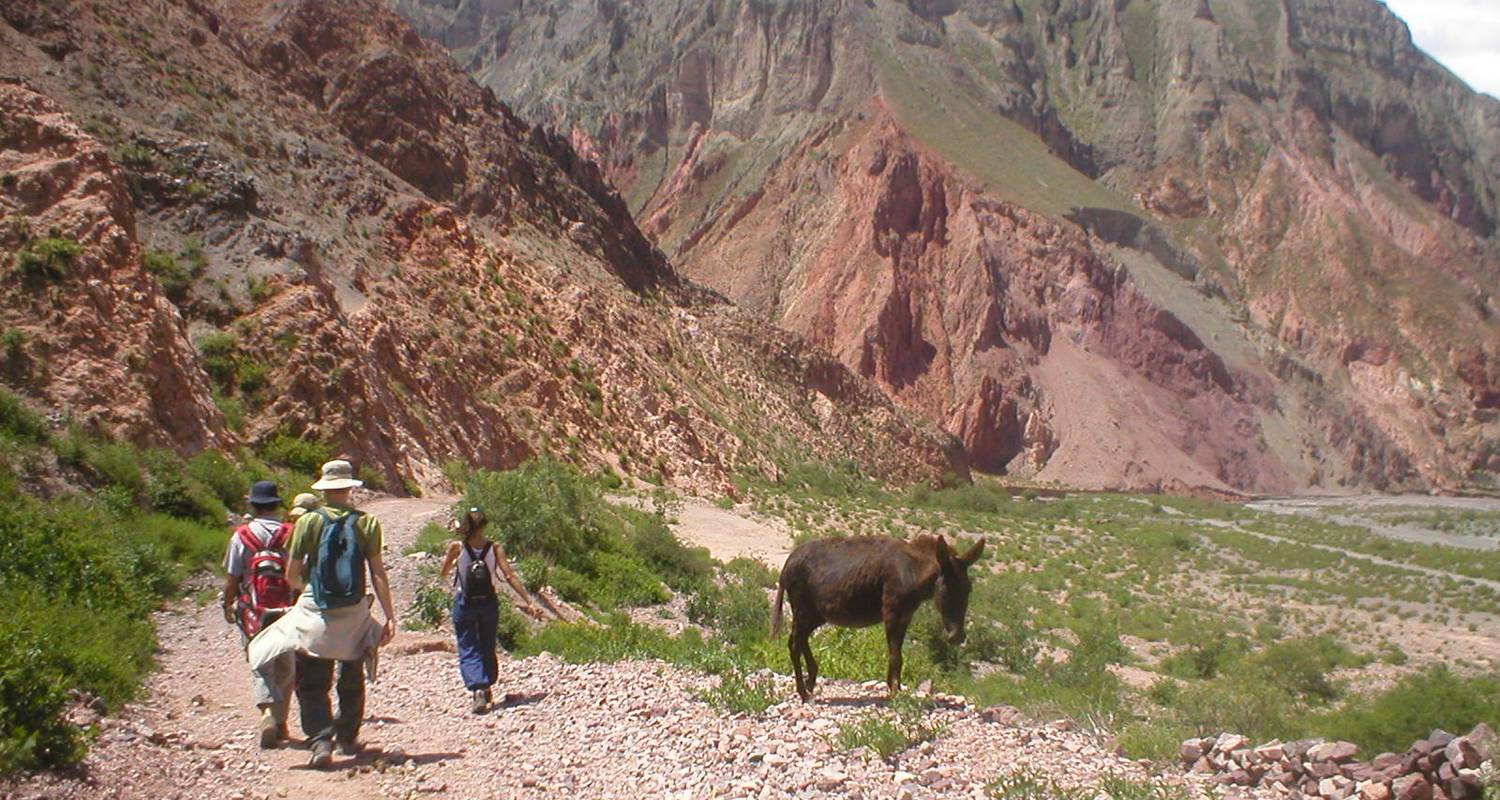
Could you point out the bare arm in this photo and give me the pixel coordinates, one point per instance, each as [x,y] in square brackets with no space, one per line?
[449,559]
[515,581]
[295,567]
[381,581]
[231,594]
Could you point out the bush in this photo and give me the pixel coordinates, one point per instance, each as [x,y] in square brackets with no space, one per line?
[1437,698]
[32,698]
[305,454]
[432,539]
[174,278]
[216,353]
[513,629]
[221,477]
[683,568]
[80,579]
[738,610]
[737,694]
[19,422]
[553,520]
[428,607]
[888,732]
[47,258]
[13,342]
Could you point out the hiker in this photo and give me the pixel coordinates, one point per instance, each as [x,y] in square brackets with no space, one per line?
[303,503]
[255,591]
[476,608]
[330,627]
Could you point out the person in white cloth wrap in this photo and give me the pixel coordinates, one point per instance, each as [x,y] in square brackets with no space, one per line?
[325,628]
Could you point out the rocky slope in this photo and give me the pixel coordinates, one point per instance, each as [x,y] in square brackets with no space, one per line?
[229,222]
[1174,243]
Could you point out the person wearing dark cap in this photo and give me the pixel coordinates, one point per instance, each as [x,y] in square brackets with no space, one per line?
[255,590]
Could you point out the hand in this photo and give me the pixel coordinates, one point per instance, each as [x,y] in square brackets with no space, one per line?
[388,632]
[229,613]
[535,612]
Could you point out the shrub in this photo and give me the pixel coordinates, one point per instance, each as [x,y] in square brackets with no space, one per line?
[216,353]
[47,258]
[221,477]
[738,694]
[171,490]
[429,606]
[32,698]
[432,539]
[513,629]
[888,732]
[1437,698]
[1301,666]
[175,279]
[541,508]
[738,610]
[19,422]
[13,342]
[80,580]
[305,454]
[374,480]
[681,567]
[1208,656]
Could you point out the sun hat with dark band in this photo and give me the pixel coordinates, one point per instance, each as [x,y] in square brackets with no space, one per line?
[338,474]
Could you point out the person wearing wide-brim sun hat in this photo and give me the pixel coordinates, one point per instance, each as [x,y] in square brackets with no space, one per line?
[333,547]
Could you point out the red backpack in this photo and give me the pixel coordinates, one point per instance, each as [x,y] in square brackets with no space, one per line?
[263,586]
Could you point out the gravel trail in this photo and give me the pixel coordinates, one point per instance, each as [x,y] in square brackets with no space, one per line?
[634,729]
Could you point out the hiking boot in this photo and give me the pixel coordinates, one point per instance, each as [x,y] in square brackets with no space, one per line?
[322,754]
[479,703]
[349,748]
[269,730]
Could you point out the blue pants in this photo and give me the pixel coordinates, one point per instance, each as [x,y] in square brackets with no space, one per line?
[475,621]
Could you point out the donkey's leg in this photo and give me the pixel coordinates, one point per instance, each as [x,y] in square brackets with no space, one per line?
[795,648]
[812,663]
[895,635]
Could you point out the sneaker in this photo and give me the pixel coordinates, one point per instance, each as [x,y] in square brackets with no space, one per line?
[479,702]
[322,754]
[268,729]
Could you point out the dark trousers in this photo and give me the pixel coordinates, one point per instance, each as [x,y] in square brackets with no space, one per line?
[474,622]
[315,678]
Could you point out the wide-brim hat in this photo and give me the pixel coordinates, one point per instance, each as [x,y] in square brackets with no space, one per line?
[263,493]
[307,501]
[338,474]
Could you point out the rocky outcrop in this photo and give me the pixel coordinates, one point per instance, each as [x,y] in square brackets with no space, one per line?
[87,330]
[1303,175]
[363,247]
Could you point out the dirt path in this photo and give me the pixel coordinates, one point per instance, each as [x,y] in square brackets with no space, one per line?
[727,533]
[1385,562]
[633,729]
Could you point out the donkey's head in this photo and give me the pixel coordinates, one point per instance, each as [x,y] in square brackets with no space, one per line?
[951,593]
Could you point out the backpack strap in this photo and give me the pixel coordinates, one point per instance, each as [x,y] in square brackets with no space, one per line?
[282,537]
[247,538]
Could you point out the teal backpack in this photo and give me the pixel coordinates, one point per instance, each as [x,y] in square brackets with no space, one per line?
[338,580]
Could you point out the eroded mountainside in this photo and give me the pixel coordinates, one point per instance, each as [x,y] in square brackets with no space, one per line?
[226,222]
[1145,243]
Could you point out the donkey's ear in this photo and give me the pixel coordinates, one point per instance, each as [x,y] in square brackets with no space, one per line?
[968,559]
[945,552]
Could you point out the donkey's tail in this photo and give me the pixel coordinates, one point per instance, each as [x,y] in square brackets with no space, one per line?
[776,611]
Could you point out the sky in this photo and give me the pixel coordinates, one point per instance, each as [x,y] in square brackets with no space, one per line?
[1464,35]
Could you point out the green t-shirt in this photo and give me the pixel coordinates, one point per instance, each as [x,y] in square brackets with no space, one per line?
[309,532]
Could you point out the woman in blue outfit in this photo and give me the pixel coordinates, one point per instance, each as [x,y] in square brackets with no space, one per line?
[476,607]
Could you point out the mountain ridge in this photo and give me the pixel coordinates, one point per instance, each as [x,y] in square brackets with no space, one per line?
[1294,184]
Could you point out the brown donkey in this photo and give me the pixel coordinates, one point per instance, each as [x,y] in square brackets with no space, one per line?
[859,581]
